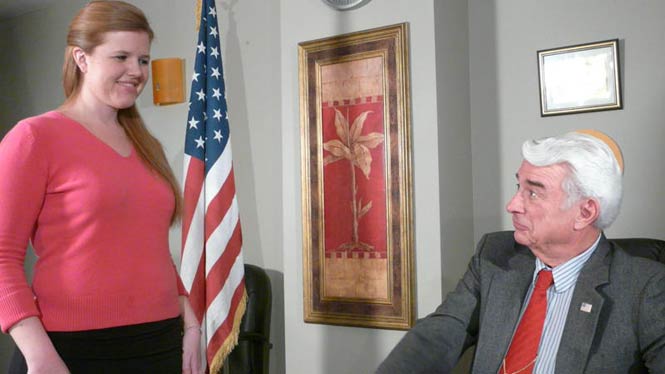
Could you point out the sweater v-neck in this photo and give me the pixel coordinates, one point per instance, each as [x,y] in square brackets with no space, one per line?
[89,133]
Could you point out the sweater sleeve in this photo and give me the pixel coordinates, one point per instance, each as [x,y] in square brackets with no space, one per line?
[23,178]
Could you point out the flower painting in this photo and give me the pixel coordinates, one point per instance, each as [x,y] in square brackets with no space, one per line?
[357,226]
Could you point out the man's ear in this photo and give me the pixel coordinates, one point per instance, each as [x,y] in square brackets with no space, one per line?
[80,58]
[588,213]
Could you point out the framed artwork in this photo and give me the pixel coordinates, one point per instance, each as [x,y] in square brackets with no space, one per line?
[580,78]
[356,179]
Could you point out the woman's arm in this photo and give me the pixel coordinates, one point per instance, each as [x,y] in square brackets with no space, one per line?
[23,184]
[191,341]
[34,343]
[23,180]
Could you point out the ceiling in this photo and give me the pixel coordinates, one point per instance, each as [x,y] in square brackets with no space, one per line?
[12,8]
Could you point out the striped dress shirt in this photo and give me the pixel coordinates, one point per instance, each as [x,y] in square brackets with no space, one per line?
[558,303]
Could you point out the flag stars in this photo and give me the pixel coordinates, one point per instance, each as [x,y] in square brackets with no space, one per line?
[217,115]
[192,123]
[218,135]
[208,119]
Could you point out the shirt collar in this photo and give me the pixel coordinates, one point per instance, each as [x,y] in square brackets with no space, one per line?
[565,275]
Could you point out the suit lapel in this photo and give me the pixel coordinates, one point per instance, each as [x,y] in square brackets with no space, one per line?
[505,296]
[581,323]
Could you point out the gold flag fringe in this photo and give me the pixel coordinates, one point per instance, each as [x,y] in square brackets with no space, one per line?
[231,340]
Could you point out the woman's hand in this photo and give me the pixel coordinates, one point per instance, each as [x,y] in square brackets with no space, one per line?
[191,350]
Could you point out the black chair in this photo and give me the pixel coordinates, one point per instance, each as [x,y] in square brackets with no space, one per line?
[653,249]
[251,355]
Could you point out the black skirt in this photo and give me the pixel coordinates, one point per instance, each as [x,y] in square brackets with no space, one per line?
[154,347]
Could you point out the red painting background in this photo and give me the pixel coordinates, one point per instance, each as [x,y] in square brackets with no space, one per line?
[338,194]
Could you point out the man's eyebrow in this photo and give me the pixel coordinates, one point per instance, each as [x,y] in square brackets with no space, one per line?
[534,183]
[530,182]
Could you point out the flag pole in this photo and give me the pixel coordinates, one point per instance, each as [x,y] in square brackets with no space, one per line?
[197,14]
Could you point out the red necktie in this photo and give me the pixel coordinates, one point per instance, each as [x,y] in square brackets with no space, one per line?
[521,356]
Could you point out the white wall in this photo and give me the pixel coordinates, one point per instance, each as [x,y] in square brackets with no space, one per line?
[454,139]
[31,62]
[504,38]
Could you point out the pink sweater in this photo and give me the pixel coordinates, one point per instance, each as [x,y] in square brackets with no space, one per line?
[99,226]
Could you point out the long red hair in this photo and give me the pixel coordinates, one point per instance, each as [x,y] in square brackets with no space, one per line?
[86,31]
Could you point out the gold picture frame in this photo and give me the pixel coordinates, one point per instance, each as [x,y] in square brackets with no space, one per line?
[580,78]
[356,179]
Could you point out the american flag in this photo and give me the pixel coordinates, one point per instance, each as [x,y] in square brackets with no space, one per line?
[212,268]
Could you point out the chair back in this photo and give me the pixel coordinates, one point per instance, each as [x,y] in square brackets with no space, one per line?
[251,355]
[653,249]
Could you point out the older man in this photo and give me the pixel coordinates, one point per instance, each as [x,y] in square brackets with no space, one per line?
[554,296]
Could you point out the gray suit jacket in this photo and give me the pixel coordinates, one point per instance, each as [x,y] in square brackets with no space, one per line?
[623,333]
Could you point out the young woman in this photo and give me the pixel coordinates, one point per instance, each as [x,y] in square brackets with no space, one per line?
[92,190]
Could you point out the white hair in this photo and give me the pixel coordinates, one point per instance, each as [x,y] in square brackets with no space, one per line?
[594,170]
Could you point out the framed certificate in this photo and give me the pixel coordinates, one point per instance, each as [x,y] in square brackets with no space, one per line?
[580,78]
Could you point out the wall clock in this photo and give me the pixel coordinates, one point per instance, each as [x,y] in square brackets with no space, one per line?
[346,4]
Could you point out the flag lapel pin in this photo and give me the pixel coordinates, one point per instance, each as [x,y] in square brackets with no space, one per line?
[586,307]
